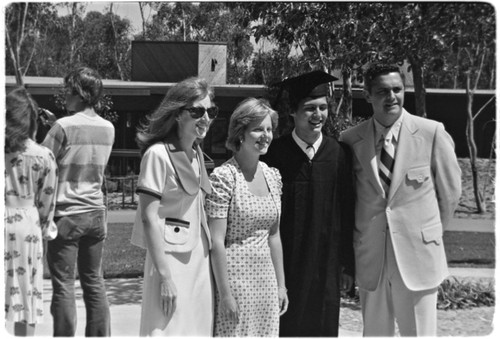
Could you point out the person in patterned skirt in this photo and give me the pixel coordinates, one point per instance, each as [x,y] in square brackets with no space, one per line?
[30,187]
[244,212]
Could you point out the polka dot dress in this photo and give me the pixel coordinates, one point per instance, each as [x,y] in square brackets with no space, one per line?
[250,269]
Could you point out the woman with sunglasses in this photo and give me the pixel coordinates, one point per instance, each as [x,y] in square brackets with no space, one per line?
[170,222]
[244,211]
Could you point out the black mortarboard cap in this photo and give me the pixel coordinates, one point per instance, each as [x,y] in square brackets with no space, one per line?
[313,84]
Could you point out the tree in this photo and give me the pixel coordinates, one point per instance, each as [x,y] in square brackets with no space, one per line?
[24,23]
[106,46]
[206,21]
[412,32]
[341,40]
[472,35]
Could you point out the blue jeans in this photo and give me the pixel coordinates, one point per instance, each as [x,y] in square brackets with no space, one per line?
[79,242]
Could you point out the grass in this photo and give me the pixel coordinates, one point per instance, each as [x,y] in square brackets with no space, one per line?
[124,260]
[470,249]
[463,249]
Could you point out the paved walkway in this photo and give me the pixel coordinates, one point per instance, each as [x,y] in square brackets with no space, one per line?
[124,295]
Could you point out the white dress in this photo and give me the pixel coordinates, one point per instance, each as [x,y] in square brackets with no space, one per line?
[190,270]
[30,188]
[251,273]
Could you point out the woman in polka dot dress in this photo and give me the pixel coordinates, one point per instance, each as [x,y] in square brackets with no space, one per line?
[243,212]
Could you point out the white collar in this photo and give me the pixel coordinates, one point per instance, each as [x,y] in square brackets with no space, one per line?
[303,145]
[382,131]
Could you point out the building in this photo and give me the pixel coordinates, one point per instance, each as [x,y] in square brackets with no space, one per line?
[133,100]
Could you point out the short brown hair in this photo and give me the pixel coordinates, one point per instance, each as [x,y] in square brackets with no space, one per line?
[248,111]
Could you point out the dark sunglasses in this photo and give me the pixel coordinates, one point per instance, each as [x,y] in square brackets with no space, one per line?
[198,112]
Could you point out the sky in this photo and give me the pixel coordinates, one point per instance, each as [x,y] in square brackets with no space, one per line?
[130,10]
[125,9]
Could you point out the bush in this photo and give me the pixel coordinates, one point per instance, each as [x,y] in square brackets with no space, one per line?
[453,294]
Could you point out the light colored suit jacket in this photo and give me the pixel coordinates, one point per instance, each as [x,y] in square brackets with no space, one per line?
[425,189]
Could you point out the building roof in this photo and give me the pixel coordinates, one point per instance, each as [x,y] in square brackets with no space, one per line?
[50,85]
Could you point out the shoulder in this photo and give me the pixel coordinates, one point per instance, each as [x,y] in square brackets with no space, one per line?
[39,150]
[156,152]
[158,148]
[226,170]
[39,153]
[104,122]
[273,171]
[428,128]
[352,134]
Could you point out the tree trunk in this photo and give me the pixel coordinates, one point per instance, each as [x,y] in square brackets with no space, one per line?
[346,94]
[419,86]
[115,48]
[471,144]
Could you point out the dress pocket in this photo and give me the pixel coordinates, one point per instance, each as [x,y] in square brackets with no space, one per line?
[176,231]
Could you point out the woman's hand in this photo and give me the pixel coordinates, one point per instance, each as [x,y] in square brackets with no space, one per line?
[168,297]
[283,300]
[229,307]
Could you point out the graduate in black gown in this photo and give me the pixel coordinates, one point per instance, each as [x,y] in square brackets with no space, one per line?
[317,211]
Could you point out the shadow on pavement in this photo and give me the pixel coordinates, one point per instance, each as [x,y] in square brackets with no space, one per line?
[124,291]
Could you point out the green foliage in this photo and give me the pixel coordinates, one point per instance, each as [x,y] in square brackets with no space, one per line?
[336,124]
[206,21]
[104,106]
[455,294]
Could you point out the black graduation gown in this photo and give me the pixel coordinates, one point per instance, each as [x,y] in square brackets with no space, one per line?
[316,231]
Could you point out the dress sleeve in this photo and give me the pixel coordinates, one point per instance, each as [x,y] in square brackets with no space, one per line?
[223,183]
[152,175]
[46,196]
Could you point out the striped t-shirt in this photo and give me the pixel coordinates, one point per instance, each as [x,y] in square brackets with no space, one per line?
[82,145]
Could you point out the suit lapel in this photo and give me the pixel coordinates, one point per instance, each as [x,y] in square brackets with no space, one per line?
[187,178]
[408,145]
[365,152]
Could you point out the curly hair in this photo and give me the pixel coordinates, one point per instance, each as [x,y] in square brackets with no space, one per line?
[375,69]
[86,83]
[20,119]
[162,124]
[248,111]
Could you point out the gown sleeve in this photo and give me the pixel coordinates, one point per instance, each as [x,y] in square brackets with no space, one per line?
[218,202]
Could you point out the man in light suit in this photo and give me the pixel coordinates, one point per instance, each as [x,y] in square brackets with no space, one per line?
[407,187]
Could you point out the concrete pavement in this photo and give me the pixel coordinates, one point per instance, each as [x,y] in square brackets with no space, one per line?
[124,297]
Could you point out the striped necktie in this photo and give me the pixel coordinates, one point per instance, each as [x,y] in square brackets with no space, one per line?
[386,163]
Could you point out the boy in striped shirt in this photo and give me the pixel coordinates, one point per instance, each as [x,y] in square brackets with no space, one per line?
[81,143]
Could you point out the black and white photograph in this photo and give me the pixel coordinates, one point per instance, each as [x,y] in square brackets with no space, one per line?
[249,169]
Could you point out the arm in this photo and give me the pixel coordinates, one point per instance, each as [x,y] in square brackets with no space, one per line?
[229,306]
[347,218]
[277,258]
[447,174]
[151,221]
[46,198]
[55,140]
